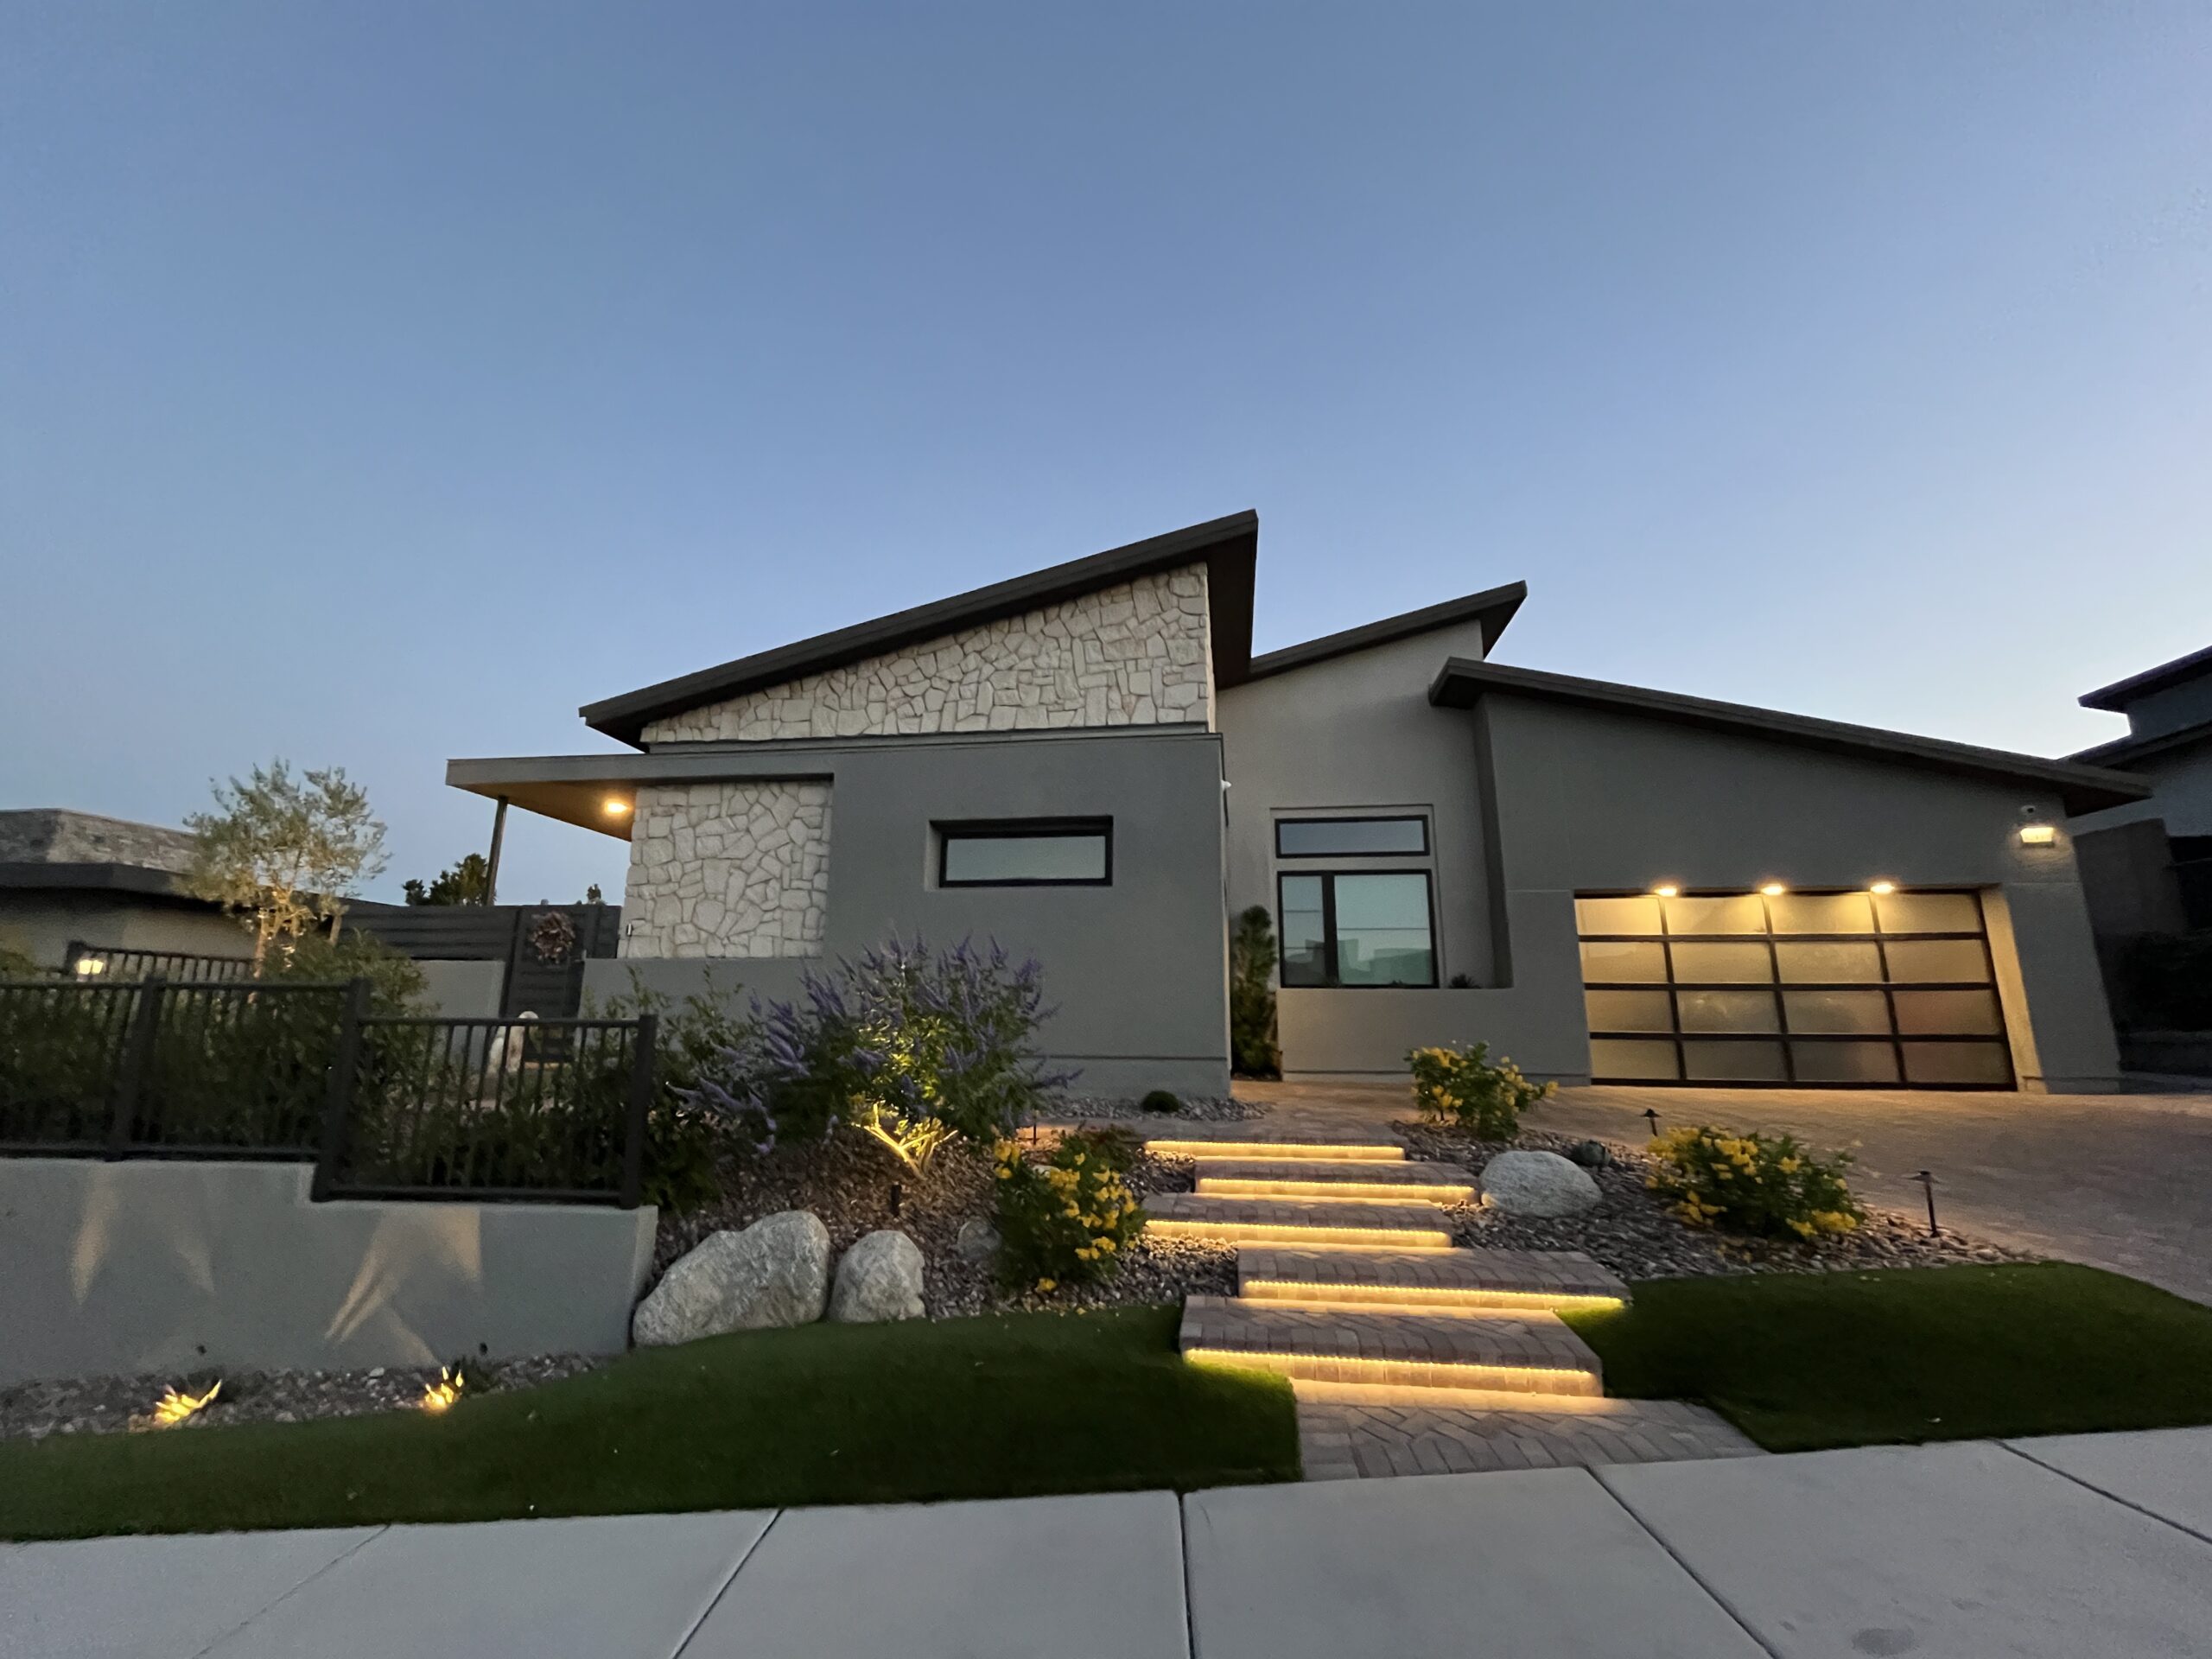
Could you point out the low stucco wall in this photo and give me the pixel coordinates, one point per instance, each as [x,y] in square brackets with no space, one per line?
[110,1268]
[465,991]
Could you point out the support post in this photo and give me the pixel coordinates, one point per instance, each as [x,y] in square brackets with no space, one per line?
[492,863]
[641,1104]
[338,1099]
[138,1064]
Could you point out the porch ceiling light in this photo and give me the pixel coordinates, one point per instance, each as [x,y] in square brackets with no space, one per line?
[614,806]
[2038,834]
[1774,889]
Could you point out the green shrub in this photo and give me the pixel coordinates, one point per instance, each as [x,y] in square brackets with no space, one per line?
[683,1140]
[1460,1086]
[396,985]
[1119,1148]
[1161,1101]
[1252,995]
[1069,1219]
[1770,1187]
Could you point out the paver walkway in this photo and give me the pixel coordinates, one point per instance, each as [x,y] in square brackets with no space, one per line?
[1407,1356]
[2063,1548]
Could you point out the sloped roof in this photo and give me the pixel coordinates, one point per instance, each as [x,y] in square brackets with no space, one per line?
[1493,606]
[2120,693]
[1227,547]
[1462,683]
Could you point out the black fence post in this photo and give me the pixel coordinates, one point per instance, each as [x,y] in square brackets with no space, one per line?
[138,1064]
[337,1103]
[641,1103]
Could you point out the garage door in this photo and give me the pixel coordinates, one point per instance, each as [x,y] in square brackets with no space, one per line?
[1824,990]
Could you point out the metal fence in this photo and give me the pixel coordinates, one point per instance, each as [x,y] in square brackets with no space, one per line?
[187,967]
[387,1107]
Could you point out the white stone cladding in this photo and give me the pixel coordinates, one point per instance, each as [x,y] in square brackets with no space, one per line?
[727,869]
[1137,654]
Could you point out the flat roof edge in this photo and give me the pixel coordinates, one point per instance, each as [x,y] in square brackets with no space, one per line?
[1461,682]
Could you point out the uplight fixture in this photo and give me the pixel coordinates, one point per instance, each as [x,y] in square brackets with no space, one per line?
[1774,889]
[1882,888]
[1668,890]
[614,806]
[2038,834]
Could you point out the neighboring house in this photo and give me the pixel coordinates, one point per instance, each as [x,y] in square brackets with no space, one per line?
[2147,865]
[1090,765]
[72,877]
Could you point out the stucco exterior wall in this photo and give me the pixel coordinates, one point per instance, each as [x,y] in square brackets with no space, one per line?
[43,922]
[1137,970]
[1137,654]
[2183,780]
[167,1267]
[732,869]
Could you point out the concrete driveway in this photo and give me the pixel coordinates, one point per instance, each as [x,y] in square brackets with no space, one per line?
[2119,1181]
[2047,1549]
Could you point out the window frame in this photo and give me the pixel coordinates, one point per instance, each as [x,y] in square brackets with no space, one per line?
[950,830]
[1328,880]
[1420,819]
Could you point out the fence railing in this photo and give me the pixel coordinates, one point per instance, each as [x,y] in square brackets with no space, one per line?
[186,967]
[387,1107]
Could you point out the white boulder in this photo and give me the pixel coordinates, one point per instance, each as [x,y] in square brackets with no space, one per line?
[879,1278]
[775,1273]
[1537,1184]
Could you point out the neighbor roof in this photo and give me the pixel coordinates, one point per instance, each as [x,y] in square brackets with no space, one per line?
[1494,608]
[2117,696]
[1227,547]
[1462,683]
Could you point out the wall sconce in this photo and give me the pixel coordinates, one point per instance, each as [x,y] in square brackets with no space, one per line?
[2038,834]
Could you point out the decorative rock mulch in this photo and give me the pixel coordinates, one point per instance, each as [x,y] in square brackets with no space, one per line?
[1199,1109]
[104,1405]
[1634,1234]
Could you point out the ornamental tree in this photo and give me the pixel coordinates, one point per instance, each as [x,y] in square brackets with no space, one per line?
[285,853]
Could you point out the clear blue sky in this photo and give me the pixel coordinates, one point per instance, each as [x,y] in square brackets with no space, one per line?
[379,383]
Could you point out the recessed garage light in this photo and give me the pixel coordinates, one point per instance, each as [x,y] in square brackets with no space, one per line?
[1774,889]
[1666,892]
[1881,887]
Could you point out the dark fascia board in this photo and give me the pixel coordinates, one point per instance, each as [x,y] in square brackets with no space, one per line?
[97,878]
[1462,683]
[2116,696]
[1228,547]
[1494,607]
[2125,753]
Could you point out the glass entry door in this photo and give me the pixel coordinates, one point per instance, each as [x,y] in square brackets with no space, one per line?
[1807,989]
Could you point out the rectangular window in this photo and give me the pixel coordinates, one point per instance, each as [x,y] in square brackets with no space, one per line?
[1026,853]
[1356,928]
[1350,838]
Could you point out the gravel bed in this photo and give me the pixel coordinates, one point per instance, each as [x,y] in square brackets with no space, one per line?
[1634,1234]
[105,1405]
[1199,1109]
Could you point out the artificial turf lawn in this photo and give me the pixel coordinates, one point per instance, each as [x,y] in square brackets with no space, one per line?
[1008,1406]
[1804,1361]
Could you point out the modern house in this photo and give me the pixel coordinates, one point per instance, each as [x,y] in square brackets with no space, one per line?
[2147,864]
[1090,764]
[75,878]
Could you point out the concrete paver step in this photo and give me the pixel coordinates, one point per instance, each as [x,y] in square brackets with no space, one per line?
[1458,1278]
[1529,1352]
[1282,1151]
[1309,1221]
[1344,1435]
[1315,1178]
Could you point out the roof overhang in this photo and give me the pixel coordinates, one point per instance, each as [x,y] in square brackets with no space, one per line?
[2127,753]
[1462,684]
[2116,696]
[1493,609]
[1228,548]
[133,880]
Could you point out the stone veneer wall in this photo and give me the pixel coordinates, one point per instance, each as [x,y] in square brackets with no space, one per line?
[1137,654]
[728,869]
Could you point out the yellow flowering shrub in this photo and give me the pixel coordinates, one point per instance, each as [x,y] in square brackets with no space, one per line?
[1770,1186]
[1460,1086]
[1065,1220]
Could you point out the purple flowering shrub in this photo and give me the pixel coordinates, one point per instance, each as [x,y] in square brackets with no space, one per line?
[912,1047]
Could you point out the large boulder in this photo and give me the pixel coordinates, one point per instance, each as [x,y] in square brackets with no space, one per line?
[879,1278]
[775,1273]
[1537,1184]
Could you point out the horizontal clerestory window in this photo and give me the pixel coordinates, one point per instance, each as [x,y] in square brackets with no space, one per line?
[1026,853]
[1380,837]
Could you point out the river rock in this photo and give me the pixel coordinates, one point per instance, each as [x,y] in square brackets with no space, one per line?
[1537,1184]
[879,1278]
[775,1273]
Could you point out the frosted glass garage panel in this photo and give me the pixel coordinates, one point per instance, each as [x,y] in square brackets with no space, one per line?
[1743,913]
[1924,961]
[1637,914]
[1959,1064]
[1701,963]
[1628,1011]
[1822,913]
[1711,1011]
[1632,1061]
[1929,913]
[1843,1062]
[1841,962]
[1948,1014]
[1737,1062]
[1631,960]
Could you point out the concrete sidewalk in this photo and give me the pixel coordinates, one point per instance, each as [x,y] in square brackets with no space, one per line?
[2088,1545]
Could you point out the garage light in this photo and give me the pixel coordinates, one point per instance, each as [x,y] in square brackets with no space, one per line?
[1666,892]
[614,806]
[1884,888]
[1774,889]
[2038,834]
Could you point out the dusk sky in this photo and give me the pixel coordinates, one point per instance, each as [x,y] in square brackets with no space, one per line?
[378,384]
